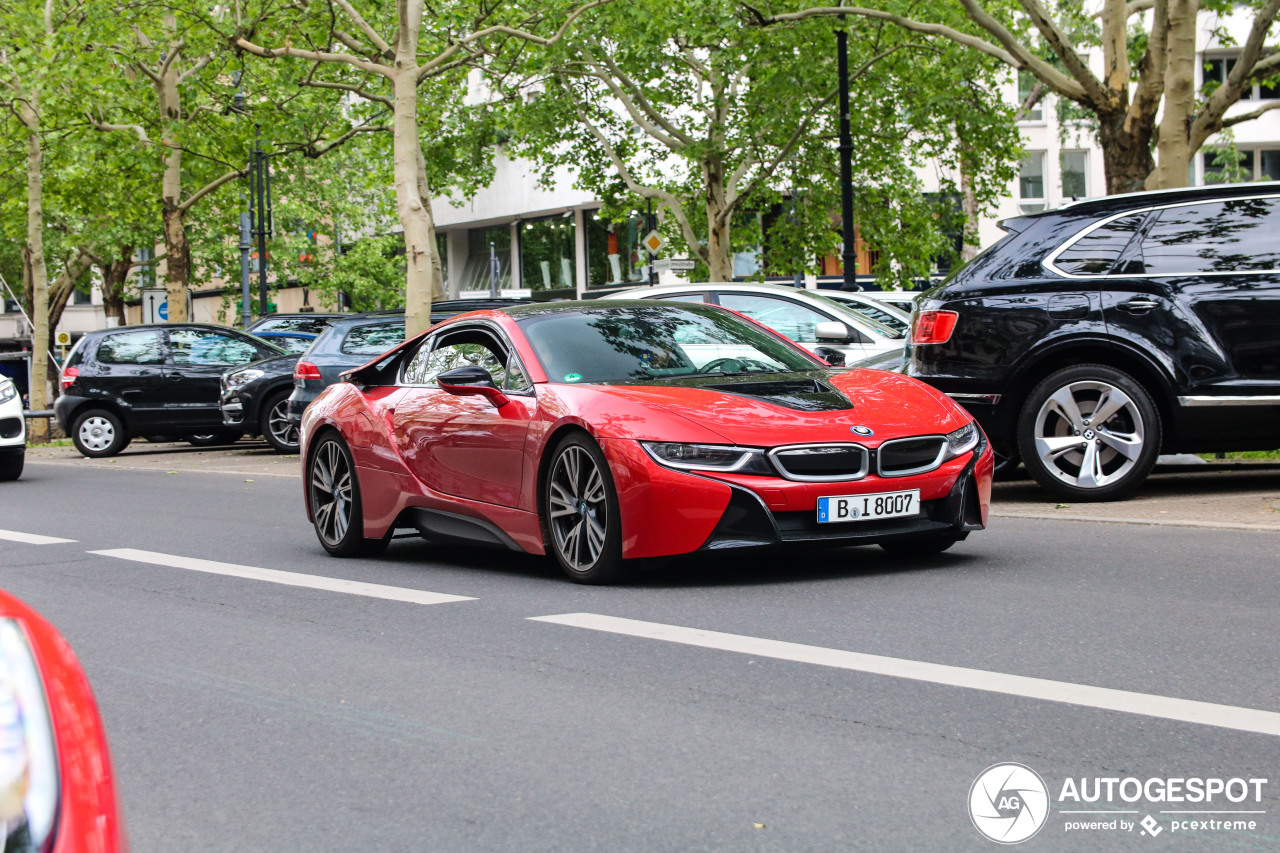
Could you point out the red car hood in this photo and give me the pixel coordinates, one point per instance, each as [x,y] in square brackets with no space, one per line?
[890,404]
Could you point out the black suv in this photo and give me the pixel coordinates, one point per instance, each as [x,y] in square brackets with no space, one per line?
[1094,337]
[155,380]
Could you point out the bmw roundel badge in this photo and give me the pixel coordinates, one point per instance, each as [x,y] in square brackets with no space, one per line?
[861,430]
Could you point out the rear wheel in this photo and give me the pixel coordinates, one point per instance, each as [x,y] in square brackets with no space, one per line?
[274,423]
[333,497]
[1089,433]
[213,439]
[98,433]
[582,523]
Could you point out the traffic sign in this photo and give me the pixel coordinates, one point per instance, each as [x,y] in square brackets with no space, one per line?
[681,264]
[163,311]
[64,338]
[653,242]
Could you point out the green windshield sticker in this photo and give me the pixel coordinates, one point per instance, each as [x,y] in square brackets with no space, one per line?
[572,377]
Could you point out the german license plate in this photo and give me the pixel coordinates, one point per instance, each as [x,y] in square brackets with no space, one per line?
[838,508]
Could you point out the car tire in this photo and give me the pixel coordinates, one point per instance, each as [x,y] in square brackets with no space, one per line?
[158,439]
[925,546]
[99,433]
[333,500]
[216,438]
[1076,456]
[274,423]
[11,467]
[581,520]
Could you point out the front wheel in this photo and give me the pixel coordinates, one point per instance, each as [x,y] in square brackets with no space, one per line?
[1089,433]
[581,520]
[275,426]
[333,498]
[11,466]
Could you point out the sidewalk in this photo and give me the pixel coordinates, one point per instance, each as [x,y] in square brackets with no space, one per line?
[1232,495]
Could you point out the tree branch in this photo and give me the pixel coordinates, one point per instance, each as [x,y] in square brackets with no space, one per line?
[384,49]
[310,81]
[195,69]
[1250,116]
[643,102]
[1210,117]
[210,187]
[98,124]
[313,55]
[172,56]
[1131,8]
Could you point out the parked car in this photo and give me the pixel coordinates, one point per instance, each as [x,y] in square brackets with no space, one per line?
[58,792]
[255,400]
[882,311]
[903,300]
[153,380]
[356,338]
[309,322]
[1094,337]
[13,431]
[821,325]
[608,431]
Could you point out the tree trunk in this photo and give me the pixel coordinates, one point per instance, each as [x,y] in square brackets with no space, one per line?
[1174,146]
[422,266]
[719,246]
[114,274]
[1126,153]
[968,199]
[177,276]
[34,256]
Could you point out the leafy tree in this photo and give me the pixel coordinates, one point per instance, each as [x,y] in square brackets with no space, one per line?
[678,102]
[1148,66]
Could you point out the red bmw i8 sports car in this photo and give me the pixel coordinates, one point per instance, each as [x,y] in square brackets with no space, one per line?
[606,432]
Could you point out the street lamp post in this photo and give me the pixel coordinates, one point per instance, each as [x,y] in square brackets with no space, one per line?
[260,211]
[850,255]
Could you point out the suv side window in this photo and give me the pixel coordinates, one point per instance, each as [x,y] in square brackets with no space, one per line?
[1097,252]
[1221,236]
[373,339]
[207,348]
[141,347]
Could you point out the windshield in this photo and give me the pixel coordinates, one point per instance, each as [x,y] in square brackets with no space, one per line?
[877,313]
[634,342]
[877,325]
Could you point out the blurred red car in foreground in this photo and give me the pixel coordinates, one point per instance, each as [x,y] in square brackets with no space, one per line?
[57,789]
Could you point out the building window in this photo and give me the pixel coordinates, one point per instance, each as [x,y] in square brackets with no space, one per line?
[1216,70]
[614,253]
[476,273]
[81,297]
[1027,82]
[1226,165]
[1075,174]
[547,253]
[1031,183]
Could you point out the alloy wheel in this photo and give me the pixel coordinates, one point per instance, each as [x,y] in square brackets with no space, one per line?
[278,423]
[1089,434]
[330,485]
[97,433]
[578,508]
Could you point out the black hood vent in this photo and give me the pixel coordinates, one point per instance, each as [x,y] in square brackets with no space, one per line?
[803,395]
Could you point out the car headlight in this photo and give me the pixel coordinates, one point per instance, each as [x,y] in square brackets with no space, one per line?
[240,377]
[28,750]
[7,392]
[962,440]
[709,457]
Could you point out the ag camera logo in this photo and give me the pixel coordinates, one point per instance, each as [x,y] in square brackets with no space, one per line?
[1008,803]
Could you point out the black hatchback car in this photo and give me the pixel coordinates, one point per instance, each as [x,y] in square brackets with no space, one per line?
[159,379]
[1094,337]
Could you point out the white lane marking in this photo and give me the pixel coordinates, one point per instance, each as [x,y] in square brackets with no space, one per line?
[31,538]
[1104,698]
[370,590]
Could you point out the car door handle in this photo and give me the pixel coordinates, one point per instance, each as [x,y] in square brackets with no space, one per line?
[175,375]
[1138,306]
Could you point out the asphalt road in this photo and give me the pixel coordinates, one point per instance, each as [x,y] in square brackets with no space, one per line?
[249,714]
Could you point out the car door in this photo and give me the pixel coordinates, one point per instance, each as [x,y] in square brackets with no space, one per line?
[129,368]
[197,359]
[793,320]
[1205,286]
[465,446]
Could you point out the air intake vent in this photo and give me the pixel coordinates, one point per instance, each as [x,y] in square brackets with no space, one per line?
[821,462]
[903,457]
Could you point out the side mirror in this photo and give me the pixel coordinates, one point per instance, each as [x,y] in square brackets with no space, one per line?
[834,331]
[830,355]
[471,381]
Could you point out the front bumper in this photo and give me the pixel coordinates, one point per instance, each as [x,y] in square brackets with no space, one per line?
[667,512]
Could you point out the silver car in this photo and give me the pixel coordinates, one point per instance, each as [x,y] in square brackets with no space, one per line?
[828,328]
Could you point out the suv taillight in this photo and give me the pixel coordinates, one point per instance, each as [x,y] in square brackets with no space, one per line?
[305,370]
[68,377]
[933,327]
